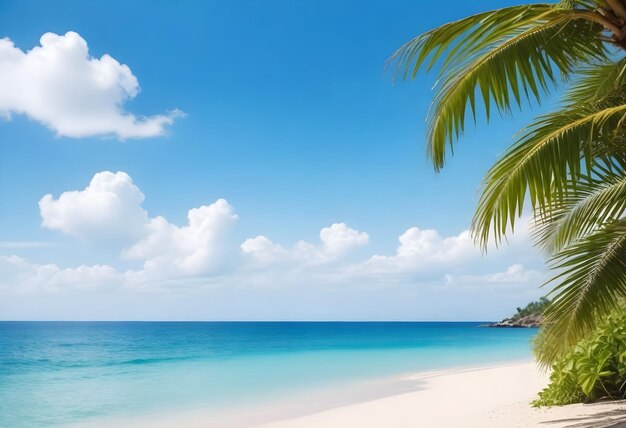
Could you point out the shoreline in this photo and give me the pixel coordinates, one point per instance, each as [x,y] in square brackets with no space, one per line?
[301,404]
[495,395]
[463,389]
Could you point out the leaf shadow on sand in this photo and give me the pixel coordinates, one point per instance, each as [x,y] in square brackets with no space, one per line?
[610,417]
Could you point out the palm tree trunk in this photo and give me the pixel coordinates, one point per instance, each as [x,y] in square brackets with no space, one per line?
[618,9]
[615,15]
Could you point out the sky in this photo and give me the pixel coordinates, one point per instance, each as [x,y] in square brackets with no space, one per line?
[242,160]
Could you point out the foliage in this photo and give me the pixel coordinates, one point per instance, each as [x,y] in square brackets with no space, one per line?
[594,369]
[505,56]
[570,164]
[533,308]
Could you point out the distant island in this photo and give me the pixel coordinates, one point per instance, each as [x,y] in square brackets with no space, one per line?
[529,316]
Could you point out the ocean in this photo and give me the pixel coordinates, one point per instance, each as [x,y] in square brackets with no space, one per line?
[72,373]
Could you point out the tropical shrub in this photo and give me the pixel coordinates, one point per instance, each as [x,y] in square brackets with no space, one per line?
[594,369]
[533,308]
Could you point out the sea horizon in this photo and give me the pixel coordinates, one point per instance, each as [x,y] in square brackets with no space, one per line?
[251,321]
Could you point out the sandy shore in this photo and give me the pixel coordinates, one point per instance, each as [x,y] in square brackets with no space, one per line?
[497,397]
[487,397]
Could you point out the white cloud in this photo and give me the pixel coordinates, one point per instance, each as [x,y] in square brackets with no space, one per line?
[264,251]
[194,249]
[110,209]
[514,274]
[335,241]
[157,256]
[423,250]
[27,276]
[107,210]
[338,239]
[60,85]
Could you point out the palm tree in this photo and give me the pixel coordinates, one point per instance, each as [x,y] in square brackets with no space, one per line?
[569,165]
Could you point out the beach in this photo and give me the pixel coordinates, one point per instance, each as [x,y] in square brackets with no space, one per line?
[485,397]
[497,396]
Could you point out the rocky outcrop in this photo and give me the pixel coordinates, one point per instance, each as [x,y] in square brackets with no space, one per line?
[528,321]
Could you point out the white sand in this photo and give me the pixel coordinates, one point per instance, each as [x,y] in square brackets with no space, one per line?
[489,397]
[480,397]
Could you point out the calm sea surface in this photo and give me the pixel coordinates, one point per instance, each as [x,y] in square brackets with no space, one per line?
[62,373]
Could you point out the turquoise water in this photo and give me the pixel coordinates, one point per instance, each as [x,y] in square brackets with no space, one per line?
[60,373]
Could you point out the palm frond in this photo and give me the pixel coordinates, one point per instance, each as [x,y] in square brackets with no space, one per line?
[539,165]
[460,38]
[596,199]
[502,57]
[596,82]
[591,283]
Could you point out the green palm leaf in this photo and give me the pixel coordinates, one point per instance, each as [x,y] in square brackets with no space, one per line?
[597,81]
[503,56]
[591,202]
[546,156]
[591,282]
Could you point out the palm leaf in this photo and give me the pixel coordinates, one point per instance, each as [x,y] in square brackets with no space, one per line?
[503,56]
[540,164]
[597,81]
[591,283]
[591,202]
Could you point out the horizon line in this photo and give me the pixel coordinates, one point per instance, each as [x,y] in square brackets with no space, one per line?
[257,321]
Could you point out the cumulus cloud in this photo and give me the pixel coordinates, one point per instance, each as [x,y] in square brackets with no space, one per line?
[338,239]
[60,85]
[194,249]
[157,253]
[263,250]
[423,249]
[335,241]
[107,210]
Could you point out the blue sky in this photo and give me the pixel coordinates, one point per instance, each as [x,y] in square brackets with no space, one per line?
[289,117]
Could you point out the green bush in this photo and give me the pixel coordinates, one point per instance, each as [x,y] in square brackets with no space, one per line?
[593,370]
[533,308]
